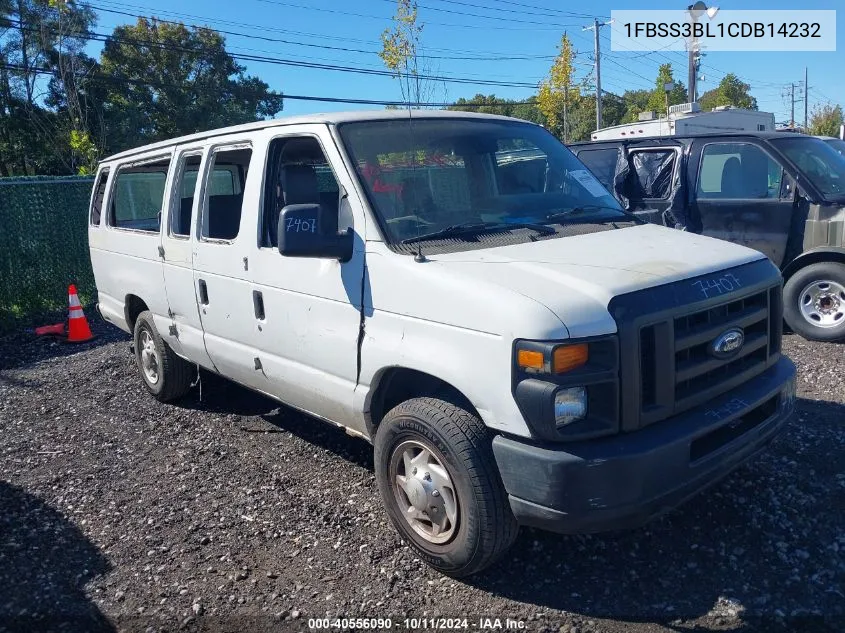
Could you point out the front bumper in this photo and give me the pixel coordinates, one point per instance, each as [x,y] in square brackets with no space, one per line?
[625,480]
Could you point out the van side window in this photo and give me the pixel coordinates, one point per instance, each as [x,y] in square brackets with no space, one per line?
[224,181]
[652,174]
[99,195]
[224,194]
[738,171]
[180,214]
[602,162]
[298,172]
[138,195]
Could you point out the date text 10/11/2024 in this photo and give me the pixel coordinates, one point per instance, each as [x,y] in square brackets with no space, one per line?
[415,624]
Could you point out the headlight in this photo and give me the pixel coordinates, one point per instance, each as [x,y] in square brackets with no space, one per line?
[568,390]
[570,406]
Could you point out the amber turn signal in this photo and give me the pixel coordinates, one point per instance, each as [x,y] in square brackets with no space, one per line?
[568,357]
[529,359]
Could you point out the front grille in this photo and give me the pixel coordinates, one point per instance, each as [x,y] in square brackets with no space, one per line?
[677,372]
[696,371]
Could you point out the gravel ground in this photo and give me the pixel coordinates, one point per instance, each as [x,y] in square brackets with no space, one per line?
[227,512]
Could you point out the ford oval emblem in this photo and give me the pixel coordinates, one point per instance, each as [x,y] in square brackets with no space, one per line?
[727,343]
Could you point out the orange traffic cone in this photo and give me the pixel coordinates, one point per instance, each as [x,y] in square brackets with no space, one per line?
[77,325]
[51,330]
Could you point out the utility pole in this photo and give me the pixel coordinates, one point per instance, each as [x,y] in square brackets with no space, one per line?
[806,89]
[596,26]
[696,11]
[692,68]
[792,101]
[598,74]
[565,113]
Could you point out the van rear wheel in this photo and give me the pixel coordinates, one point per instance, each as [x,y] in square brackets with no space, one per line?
[166,376]
[438,480]
[814,302]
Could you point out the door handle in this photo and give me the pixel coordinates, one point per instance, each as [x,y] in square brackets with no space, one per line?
[203,292]
[258,304]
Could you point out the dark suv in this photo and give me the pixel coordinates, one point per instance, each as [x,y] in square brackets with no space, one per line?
[780,193]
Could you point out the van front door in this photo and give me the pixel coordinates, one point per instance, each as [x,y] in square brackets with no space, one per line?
[229,197]
[307,321]
[741,196]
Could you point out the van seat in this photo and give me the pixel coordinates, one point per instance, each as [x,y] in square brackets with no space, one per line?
[224,216]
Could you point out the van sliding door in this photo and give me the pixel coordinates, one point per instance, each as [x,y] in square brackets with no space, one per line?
[184,333]
[228,202]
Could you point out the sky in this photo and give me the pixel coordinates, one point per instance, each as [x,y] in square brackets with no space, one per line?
[506,41]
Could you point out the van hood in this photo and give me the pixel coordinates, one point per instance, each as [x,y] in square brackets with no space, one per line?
[576,277]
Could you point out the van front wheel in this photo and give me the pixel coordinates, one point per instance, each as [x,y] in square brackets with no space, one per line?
[165,375]
[438,480]
[814,302]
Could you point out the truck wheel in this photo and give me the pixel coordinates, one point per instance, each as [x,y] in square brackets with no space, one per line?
[814,302]
[165,375]
[438,479]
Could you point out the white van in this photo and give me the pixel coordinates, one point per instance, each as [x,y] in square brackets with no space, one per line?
[518,349]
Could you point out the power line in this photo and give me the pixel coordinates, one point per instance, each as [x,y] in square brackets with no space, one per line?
[383,18]
[102,37]
[346,49]
[821,94]
[472,15]
[628,70]
[524,5]
[382,102]
[543,13]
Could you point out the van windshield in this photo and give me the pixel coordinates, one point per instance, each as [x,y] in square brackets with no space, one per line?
[819,162]
[460,179]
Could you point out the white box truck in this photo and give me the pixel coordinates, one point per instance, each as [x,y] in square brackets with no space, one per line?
[687,119]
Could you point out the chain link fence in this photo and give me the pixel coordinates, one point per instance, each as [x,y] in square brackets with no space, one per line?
[43,245]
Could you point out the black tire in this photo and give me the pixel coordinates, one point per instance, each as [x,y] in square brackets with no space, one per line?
[794,296]
[486,528]
[174,374]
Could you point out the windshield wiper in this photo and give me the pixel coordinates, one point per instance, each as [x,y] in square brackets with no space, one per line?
[562,215]
[476,228]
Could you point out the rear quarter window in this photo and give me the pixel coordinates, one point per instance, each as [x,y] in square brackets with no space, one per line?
[97,199]
[138,196]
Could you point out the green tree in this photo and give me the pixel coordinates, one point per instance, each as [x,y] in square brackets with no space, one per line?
[41,44]
[730,91]
[491,104]
[826,120]
[401,52]
[557,92]
[635,101]
[161,80]
[528,110]
[657,100]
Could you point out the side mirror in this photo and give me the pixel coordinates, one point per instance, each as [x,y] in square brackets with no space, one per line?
[300,235]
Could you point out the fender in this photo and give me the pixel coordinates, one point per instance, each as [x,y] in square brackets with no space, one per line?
[814,256]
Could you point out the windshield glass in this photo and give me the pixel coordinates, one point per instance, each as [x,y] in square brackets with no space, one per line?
[460,177]
[819,162]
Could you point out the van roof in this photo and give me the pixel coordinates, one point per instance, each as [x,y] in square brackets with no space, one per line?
[325,117]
